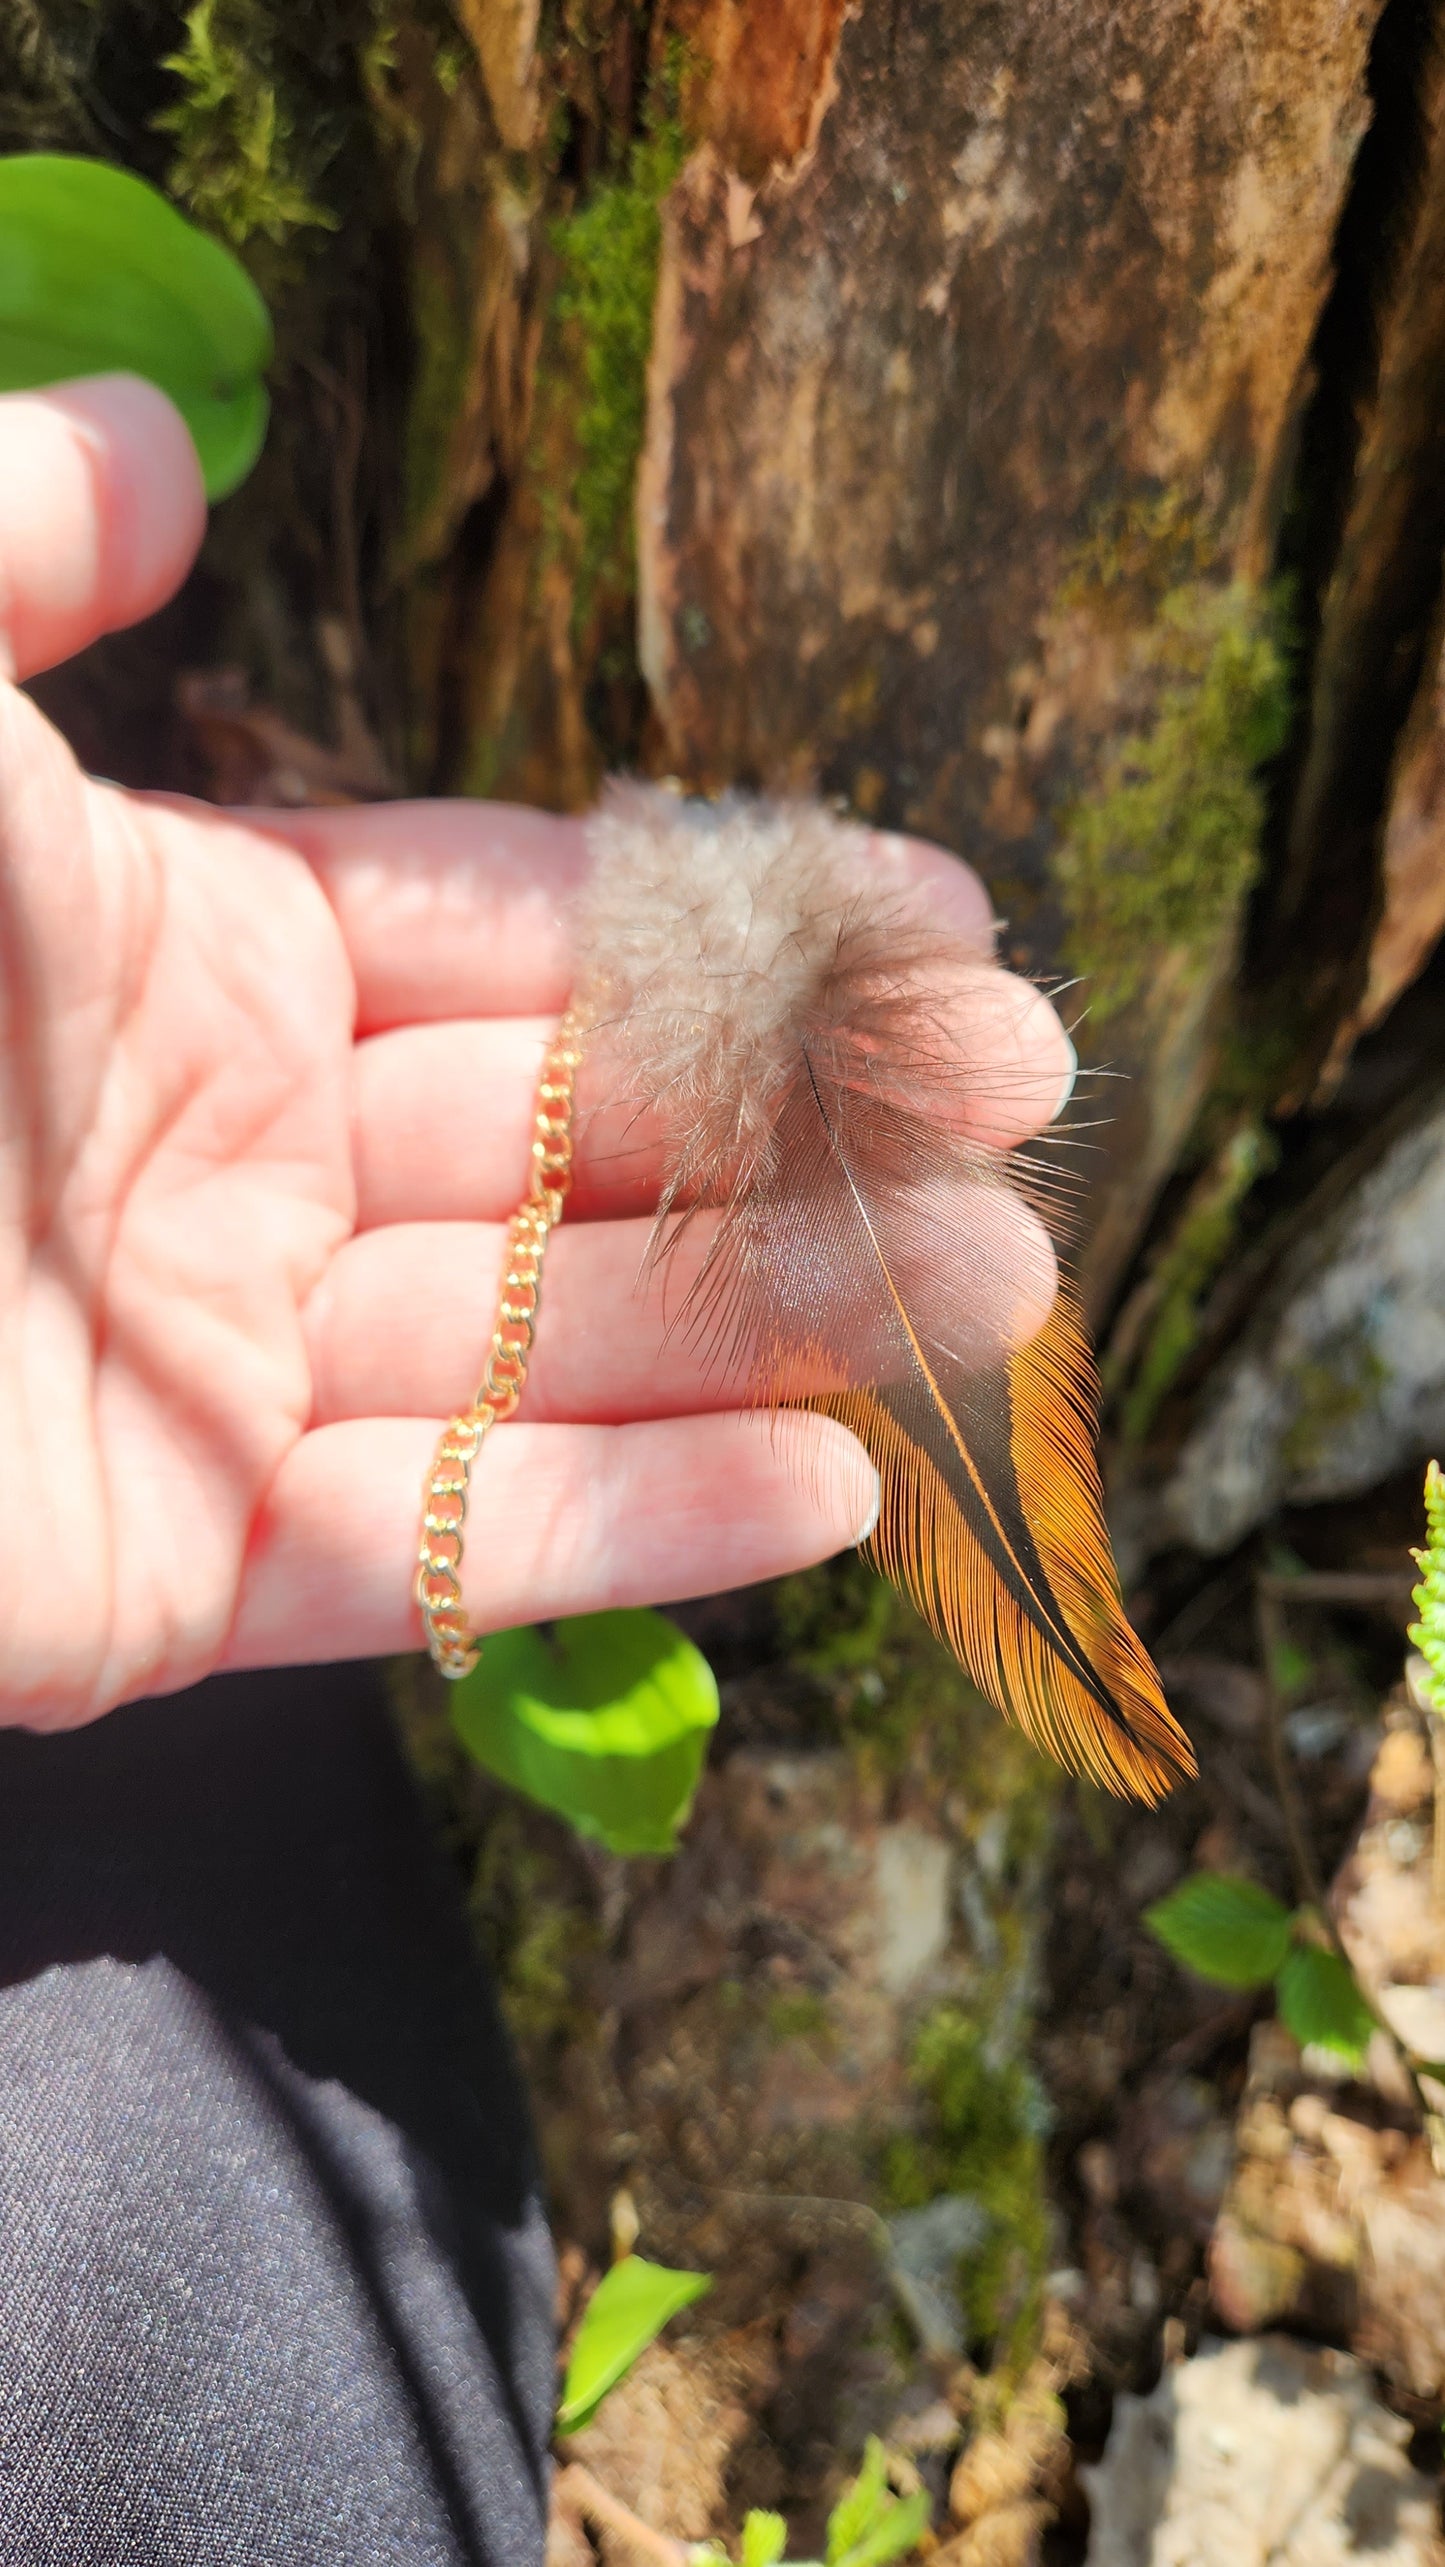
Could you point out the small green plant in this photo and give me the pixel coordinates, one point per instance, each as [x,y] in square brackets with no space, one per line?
[868,2527]
[628,2310]
[98,272]
[1234,1933]
[604,1719]
[1428,1634]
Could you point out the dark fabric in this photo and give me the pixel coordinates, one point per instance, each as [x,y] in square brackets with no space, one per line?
[275,2283]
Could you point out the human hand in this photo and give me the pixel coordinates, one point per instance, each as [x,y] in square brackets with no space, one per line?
[266,1092]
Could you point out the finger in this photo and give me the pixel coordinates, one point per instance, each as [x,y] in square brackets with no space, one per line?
[447,909]
[443,1117]
[443,1121]
[462,908]
[401,1323]
[562,1520]
[444,1112]
[102,511]
[1015,1063]
[941,889]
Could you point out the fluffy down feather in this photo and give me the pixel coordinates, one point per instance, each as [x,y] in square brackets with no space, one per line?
[785,1018]
[715,939]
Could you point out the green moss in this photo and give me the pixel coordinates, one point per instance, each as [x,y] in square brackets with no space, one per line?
[902,1702]
[1162,851]
[241,165]
[799,2014]
[1252,1065]
[1201,1242]
[527,1896]
[838,1620]
[906,1708]
[1134,553]
[539,1934]
[985,2121]
[443,342]
[609,251]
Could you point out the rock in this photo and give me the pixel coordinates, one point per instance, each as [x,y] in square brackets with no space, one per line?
[1335,2216]
[1340,1379]
[1010,2537]
[1264,2454]
[927,2246]
[665,2439]
[1003,2491]
[1284,2245]
[914,1873]
[1384,1896]
[1334,2222]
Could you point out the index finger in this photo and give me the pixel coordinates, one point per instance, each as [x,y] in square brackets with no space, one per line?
[101,514]
[455,909]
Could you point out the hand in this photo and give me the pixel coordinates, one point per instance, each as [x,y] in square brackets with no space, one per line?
[266,1089]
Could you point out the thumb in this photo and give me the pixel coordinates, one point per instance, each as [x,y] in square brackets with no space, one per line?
[102,511]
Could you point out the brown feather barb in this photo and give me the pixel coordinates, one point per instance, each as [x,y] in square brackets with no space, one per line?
[794,1033]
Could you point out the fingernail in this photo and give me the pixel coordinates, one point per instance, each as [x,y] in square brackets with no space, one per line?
[1070,1075]
[870,1522]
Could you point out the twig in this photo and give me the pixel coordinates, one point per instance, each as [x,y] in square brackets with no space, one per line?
[1336,1586]
[577,2491]
[1195,1616]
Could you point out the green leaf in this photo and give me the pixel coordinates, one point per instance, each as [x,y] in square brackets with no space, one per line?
[861,2503]
[1222,1928]
[1320,2001]
[894,2535]
[630,2306]
[98,272]
[606,1720]
[764,2540]
[869,2525]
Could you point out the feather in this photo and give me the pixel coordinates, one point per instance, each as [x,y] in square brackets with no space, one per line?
[791,1031]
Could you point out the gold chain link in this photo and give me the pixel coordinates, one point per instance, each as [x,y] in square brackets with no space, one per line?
[438,1591]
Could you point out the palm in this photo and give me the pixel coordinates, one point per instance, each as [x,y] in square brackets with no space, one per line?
[181,993]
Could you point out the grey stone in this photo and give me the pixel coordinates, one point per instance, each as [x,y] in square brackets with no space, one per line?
[926,2247]
[1266,2453]
[1341,1378]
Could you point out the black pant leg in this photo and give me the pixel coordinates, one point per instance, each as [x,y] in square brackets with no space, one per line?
[275,2282]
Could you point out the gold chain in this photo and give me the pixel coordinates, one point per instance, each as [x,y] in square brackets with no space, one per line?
[438,1591]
